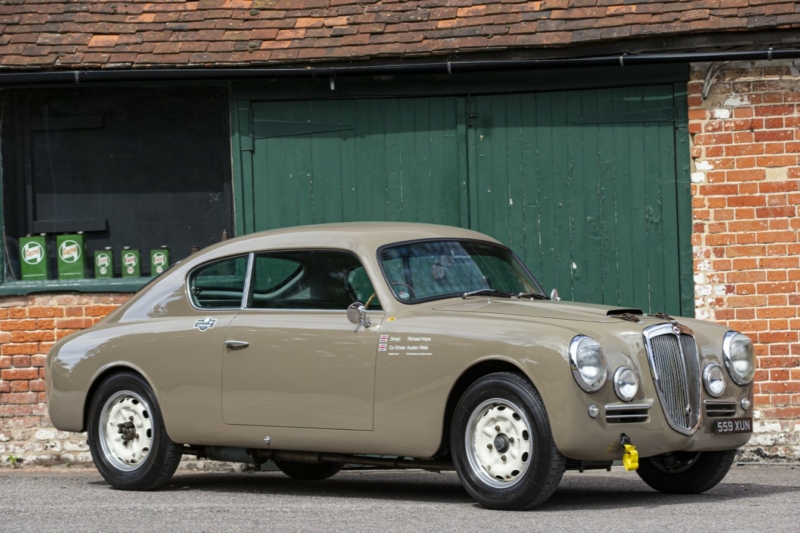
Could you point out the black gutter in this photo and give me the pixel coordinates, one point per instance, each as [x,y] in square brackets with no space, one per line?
[447,67]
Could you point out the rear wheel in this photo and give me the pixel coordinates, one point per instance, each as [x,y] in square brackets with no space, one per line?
[308,471]
[127,438]
[502,446]
[685,472]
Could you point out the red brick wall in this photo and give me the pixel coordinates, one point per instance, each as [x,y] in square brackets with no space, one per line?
[29,326]
[746,192]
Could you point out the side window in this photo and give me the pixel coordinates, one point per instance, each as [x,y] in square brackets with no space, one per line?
[219,285]
[321,279]
[362,288]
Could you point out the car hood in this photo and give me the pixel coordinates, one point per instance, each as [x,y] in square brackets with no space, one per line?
[537,309]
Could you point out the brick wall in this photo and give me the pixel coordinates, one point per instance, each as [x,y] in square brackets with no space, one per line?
[29,326]
[746,192]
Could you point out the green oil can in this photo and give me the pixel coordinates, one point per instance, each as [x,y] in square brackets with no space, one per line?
[131,263]
[159,261]
[33,257]
[71,256]
[104,263]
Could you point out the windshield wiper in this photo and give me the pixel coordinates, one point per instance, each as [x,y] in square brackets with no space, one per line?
[534,295]
[488,292]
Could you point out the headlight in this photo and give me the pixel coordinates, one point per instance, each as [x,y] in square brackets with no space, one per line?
[737,349]
[588,364]
[625,383]
[714,380]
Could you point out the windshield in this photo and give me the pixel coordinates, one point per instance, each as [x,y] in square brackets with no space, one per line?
[437,269]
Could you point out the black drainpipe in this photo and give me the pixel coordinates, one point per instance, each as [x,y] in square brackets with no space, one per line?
[447,67]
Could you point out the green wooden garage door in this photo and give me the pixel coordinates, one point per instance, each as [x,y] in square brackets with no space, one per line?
[333,161]
[583,184]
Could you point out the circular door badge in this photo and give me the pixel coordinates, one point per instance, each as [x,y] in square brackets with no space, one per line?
[32,253]
[69,251]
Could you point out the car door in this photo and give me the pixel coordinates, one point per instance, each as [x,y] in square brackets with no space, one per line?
[294,359]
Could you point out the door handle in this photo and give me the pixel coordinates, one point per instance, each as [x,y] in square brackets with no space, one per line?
[236,345]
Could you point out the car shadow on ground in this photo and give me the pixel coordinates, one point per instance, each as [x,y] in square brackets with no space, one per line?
[575,492]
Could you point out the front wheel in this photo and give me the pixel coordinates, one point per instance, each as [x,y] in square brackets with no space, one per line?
[685,472]
[127,438]
[502,446]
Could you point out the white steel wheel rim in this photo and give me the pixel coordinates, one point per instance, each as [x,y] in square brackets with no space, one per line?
[126,430]
[499,443]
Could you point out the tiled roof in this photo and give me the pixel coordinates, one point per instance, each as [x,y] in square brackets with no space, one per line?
[167,33]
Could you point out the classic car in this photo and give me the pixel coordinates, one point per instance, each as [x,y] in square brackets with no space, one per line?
[398,345]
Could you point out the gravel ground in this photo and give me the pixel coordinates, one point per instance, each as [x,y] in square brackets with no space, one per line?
[751,498]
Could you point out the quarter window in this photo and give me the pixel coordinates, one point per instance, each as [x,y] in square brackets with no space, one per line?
[219,285]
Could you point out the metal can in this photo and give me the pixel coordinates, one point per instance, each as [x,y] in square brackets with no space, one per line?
[131,263]
[33,257]
[104,263]
[71,256]
[159,260]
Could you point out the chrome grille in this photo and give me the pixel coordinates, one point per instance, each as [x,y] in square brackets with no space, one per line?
[672,354]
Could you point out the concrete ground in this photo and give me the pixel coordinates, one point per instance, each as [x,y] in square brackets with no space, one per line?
[751,499]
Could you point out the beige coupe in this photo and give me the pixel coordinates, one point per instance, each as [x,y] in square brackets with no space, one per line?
[400,346]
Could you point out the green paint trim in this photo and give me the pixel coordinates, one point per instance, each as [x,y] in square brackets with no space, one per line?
[683,182]
[19,288]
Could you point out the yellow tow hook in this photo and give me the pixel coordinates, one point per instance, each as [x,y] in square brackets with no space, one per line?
[630,457]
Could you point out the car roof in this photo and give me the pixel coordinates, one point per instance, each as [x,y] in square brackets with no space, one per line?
[344,234]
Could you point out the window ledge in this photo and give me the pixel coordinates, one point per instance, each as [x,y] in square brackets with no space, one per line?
[20,288]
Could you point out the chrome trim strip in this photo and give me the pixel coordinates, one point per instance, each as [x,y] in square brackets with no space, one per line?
[720,402]
[627,407]
[671,329]
[248,279]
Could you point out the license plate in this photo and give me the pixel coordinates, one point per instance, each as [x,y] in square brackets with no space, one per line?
[733,425]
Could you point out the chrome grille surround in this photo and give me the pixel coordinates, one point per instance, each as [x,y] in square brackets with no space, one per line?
[675,367]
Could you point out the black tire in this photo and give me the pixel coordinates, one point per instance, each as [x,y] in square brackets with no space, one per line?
[163,456]
[309,471]
[685,472]
[544,465]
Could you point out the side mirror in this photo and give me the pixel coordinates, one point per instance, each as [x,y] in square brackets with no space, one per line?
[554,295]
[357,314]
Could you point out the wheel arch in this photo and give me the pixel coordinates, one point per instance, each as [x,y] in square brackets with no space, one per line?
[101,376]
[467,378]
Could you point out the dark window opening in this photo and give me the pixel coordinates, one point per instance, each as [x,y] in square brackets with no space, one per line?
[316,280]
[219,285]
[142,167]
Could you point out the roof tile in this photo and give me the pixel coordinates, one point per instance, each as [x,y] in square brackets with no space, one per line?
[96,33]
